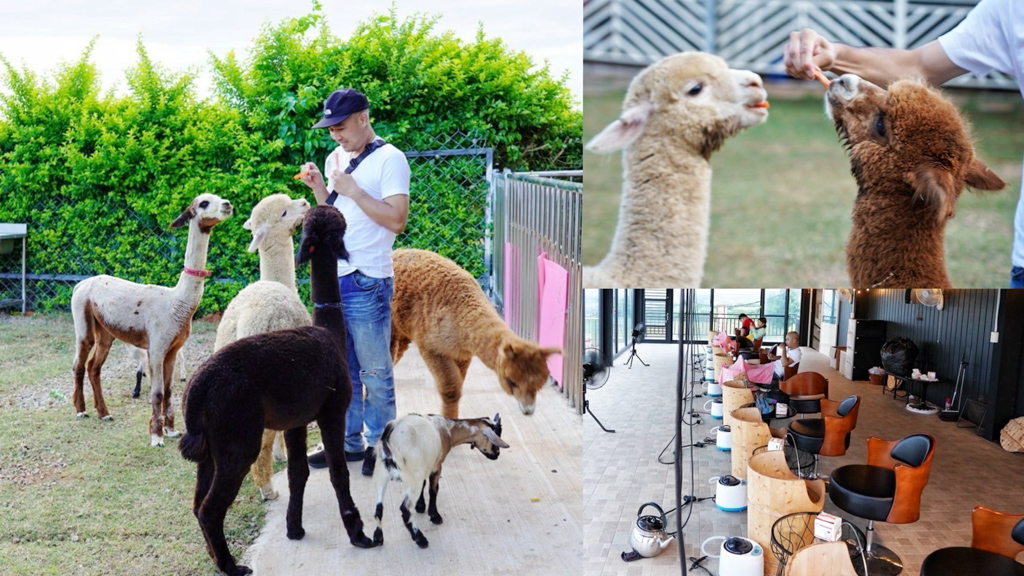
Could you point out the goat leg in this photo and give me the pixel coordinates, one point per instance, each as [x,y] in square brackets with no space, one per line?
[298,473]
[417,535]
[435,477]
[421,503]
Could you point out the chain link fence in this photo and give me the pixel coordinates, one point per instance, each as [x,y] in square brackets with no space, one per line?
[448,214]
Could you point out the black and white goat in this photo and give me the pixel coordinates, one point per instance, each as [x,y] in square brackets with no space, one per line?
[412,449]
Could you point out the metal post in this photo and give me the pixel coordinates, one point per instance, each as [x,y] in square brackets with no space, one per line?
[24,300]
[900,24]
[711,22]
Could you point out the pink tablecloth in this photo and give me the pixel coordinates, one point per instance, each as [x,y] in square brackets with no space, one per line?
[757,373]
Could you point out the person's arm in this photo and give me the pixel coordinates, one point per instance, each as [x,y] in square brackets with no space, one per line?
[312,177]
[808,51]
[392,212]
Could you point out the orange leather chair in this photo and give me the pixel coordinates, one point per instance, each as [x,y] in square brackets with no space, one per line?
[830,434]
[805,391]
[790,371]
[996,539]
[888,488]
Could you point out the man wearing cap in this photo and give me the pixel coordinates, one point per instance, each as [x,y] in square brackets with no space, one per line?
[368,181]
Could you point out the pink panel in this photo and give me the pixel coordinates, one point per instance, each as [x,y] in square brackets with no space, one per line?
[554,298]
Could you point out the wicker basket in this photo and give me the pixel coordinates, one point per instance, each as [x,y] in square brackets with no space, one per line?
[1012,436]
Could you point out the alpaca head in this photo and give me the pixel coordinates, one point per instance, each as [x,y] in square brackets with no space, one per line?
[323,229]
[275,218]
[207,210]
[692,99]
[523,370]
[907,140]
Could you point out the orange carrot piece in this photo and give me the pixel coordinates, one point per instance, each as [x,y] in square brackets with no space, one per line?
[821,78]
[761,105]
[301,174]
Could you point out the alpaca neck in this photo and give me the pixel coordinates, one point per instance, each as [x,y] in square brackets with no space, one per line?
[664,215]
[326,295]
[190,287]
[487,339]
[895,241]
[277,263]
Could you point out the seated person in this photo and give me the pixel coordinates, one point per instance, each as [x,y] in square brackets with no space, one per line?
[786,354]
[758,331]
[745,325]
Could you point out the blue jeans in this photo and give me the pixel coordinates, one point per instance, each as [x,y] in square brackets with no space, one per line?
[1017,277]
[366,303]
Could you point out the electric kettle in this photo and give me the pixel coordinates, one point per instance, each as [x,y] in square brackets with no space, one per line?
[715,407]
[648,537]
[723,437]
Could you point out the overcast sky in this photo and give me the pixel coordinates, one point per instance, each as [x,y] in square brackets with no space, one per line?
[179,34]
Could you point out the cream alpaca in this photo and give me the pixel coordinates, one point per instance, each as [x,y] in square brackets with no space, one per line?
[156,318]
[676,113]
[272,303]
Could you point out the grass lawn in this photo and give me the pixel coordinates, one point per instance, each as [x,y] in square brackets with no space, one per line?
[84,496]
[782,192]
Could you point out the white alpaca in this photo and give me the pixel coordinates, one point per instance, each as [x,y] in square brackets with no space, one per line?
[676,113]
[156,318]
[271,303]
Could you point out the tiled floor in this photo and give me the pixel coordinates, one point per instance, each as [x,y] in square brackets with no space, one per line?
[621,471]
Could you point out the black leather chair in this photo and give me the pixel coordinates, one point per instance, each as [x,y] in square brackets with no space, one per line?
[996,539]
[888,488]
[830,434]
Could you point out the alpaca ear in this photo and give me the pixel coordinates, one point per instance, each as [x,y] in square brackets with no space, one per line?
[935,187]
[624,131]
[981,177]
[258,235]
[184,217]
[306,245]
[549,351]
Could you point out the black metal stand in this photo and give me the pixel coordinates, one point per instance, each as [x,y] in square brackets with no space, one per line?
[586,408]
[633,354]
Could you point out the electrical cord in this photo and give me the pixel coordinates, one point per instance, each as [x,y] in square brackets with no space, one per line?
[697,563]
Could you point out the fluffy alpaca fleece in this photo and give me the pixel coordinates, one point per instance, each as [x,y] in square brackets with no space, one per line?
[676,113]
[272,303]
[911,155]
[280,380]
[156,318]
[441,308]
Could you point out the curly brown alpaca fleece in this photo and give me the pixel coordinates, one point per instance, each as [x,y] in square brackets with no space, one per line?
[911,155]
[441,308]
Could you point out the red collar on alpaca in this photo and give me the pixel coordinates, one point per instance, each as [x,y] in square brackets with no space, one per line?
[200,273]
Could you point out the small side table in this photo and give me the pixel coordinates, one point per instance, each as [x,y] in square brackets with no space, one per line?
[10,232]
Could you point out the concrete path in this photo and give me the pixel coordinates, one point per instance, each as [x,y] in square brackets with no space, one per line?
[520,514]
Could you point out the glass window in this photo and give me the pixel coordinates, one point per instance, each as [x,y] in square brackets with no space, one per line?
[591,319]
[828,306]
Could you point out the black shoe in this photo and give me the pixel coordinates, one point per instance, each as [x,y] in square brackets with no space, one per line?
[368,462]
[354,456]
[317,459]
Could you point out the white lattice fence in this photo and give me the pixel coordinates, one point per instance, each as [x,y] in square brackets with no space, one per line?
[751,33]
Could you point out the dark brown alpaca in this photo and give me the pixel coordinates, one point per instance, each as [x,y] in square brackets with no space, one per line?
[911,154]
[282,381]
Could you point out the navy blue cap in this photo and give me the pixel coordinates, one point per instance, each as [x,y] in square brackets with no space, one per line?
[340,105]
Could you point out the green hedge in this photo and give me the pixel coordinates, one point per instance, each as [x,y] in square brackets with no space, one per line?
[99,176]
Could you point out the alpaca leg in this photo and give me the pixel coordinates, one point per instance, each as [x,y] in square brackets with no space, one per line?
[227,480]
[204,478]
[156,398]
[448,379]
[85,344]
[138,383]
[399,344]
[417,535]
[435,516]
[263,468]
[104,340]
[280,449]
[332,430]
[167,407]
[298,473]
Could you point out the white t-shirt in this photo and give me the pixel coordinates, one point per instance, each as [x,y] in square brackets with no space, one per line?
[991,37]
[791,353]
[385,172]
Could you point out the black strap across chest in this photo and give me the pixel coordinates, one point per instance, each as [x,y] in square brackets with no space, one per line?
[354,163]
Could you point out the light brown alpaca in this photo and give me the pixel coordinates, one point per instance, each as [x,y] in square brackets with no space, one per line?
[911,155]
[441,308]
[156,318]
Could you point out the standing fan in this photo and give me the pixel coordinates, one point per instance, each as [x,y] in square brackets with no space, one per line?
[638,336]
[596,371]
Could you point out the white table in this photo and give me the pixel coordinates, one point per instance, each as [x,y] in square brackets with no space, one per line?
[13,232]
